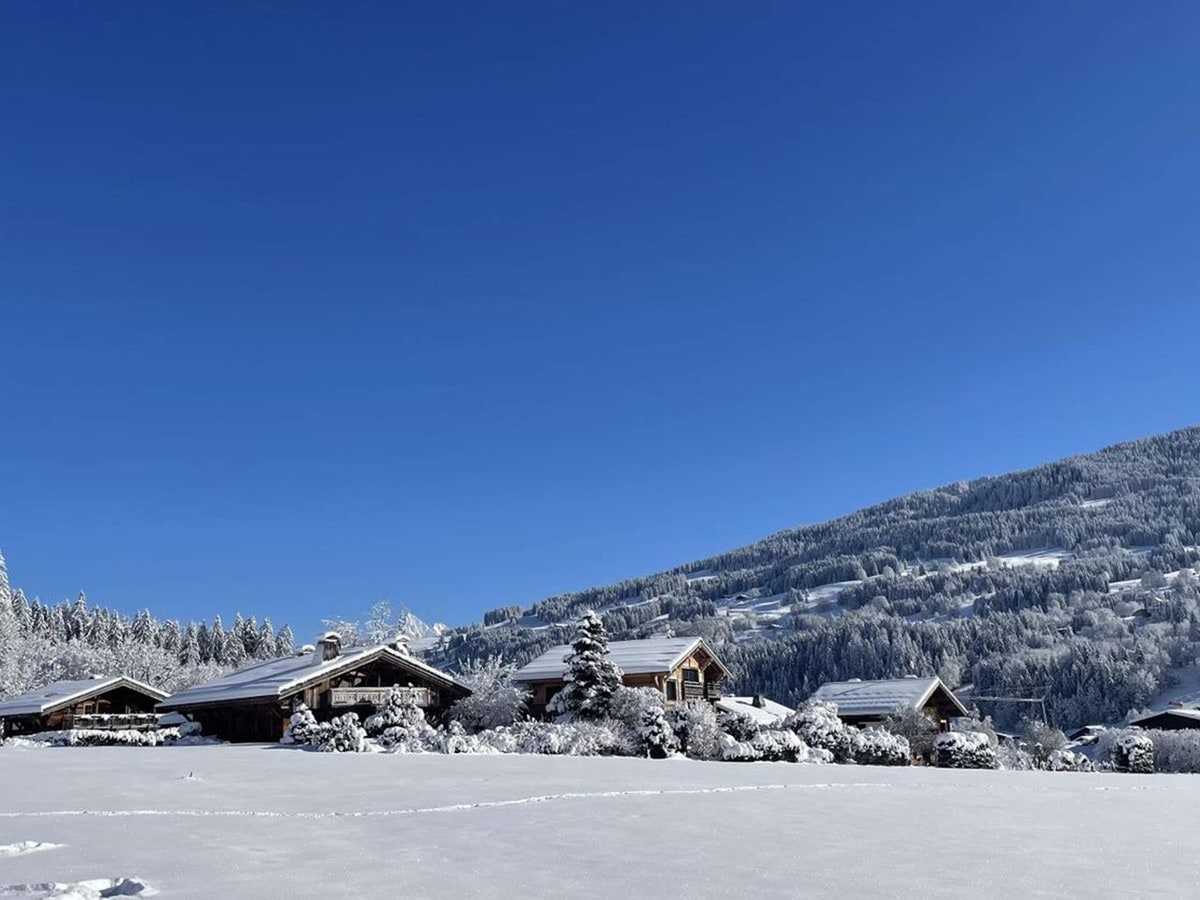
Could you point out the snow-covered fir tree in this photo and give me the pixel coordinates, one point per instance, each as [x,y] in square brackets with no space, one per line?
[592,678]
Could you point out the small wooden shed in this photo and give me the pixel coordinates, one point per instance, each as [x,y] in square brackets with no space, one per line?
[98,702]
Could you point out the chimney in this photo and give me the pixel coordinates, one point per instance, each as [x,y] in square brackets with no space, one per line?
[400,644]
[758,701]
[329,646]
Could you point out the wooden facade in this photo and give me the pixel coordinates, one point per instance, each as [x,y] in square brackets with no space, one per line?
[358,687]
[697,676]
[123,699]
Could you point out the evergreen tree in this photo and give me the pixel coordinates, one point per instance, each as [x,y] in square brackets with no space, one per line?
[592,678]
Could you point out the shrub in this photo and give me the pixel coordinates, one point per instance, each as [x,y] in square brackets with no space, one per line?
[303,728]
[695,724]
[738,725]
[399,724]
[1042,741]
[916,728]
[877,747]
[1068,761]
[964,750]
[1176,751]
[817,724]
[344,735]
[1127,750]
[494,700]
[1012,757]
[557,739]
[656,735]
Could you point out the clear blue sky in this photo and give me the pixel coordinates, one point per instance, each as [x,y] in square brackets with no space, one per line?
[305,305]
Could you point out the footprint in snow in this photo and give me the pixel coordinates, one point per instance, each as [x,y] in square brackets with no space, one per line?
[22,847]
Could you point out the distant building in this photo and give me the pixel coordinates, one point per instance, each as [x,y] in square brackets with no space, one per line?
[255,703]
[1174,718]
[98,702]
[764,712]
[870,702]
[681,668]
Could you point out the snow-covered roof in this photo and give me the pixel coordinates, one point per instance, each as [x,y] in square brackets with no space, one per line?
[768,713]
[645,657]
[63,693]
[879,698]
[1192,715]
[278,678]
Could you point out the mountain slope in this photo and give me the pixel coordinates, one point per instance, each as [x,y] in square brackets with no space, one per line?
[1061,580]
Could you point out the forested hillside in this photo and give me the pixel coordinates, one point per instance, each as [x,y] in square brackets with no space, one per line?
[1073,580]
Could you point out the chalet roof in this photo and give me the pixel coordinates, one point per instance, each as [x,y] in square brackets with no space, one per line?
[768,713]
[63,693]
[880,698]
[649,656]
[1184,713]
[278,678]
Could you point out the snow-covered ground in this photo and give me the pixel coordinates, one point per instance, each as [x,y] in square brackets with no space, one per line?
[254,821]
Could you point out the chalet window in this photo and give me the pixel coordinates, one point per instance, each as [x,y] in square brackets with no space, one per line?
[672,691]
[692,675]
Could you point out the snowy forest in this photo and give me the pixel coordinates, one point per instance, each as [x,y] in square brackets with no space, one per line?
[1073,581]
[41,643]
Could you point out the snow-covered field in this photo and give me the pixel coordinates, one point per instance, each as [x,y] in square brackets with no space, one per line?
[254,821]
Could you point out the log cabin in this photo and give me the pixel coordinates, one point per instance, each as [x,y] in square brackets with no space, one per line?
[96,702]
[862,703]
[681,668]
[256,702]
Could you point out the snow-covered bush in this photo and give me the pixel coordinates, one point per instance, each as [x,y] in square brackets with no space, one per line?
[695,724]
[738,725]
[303,728]
[656,734]
[1068,761]
[400,725]
[592,678]
[1176,751]
[771,745]
[779,745]
[1012,757]
[454,739]
[557,739]
[876,747]
[817,724]
[87,737]
[1042,741]
[964,750]
[916,728]
[494,700]
[344,735]
[1126,750]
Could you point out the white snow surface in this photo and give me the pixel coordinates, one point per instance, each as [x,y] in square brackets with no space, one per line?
[256,821]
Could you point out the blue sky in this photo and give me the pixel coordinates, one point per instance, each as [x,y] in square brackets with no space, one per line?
[464,305]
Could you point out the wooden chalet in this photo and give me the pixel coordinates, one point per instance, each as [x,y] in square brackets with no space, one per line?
[682,668]
[97,702]
[1174,718]
[255,703]
[864,703]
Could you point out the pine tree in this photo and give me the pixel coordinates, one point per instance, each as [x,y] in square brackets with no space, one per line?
[592,678]
[5,590]
[284,642]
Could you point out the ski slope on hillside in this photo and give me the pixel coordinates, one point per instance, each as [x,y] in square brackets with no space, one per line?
[254,821]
